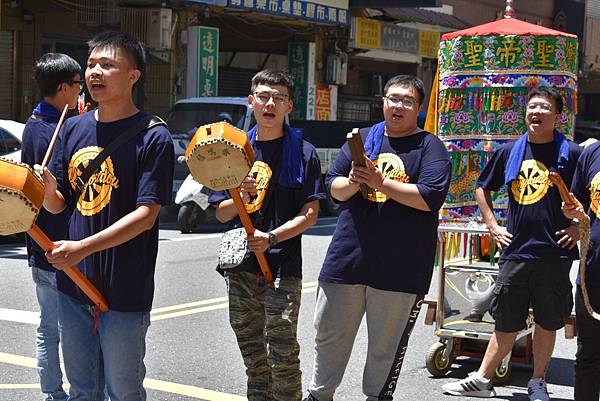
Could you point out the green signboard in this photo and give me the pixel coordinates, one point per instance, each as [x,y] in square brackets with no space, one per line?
[208,60]
[301,63]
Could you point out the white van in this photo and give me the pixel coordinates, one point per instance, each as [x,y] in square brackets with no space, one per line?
[188,114]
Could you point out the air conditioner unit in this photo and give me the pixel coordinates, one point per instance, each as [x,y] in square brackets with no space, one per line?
[158,34]
[151,26]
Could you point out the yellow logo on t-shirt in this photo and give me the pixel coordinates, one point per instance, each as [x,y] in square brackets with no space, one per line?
[595,194]
[392,167]
[532,183]
[97,191]
[262,174]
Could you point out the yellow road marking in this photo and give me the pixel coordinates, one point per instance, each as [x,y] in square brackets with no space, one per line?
[190,391]
[19,386]
[189,312]
[152,384]
[219,303]
[18,360]
[188,305]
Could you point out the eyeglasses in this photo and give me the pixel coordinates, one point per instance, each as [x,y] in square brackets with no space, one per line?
[406,102]
[264,97]
[80,82]
[543,106]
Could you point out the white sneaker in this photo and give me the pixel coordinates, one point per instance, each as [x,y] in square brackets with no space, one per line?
[473,385]
[536,388]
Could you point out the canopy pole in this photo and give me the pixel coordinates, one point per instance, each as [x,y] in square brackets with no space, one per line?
[509,11]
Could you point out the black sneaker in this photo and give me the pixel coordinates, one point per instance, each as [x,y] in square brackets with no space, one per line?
[311,397]
[474,317]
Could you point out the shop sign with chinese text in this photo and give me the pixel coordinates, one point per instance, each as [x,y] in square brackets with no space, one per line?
[333,12]
[208,53]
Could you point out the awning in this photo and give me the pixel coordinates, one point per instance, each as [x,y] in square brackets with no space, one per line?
[424,17]
[394,3]
[330,12]
[221,3]
[507,26]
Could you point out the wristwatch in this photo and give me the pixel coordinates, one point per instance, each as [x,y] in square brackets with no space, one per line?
[272,239]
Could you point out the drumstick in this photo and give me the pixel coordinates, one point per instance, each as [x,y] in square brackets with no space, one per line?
[584,239]
[247,223]
[566,196]
[74,274]
[54,138]
[357,151]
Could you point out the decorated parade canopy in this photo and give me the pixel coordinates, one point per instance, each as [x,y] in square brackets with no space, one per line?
[479,96]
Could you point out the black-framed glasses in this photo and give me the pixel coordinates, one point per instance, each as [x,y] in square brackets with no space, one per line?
[81,83]
[406,102]
[278,98]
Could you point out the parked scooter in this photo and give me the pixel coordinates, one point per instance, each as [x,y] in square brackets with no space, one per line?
[193,200]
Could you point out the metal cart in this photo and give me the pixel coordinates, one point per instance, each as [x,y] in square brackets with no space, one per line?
[462,323]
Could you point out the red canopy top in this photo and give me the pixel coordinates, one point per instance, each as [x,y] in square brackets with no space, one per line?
[507,26]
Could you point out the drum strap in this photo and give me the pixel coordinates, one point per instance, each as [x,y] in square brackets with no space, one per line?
[94,164]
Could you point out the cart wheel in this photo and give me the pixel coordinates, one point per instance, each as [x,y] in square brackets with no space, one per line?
[503,372]
[433,360]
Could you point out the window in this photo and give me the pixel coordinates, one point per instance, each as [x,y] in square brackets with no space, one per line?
[8,142]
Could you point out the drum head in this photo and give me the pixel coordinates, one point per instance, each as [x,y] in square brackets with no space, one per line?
[18,213]
[218,164]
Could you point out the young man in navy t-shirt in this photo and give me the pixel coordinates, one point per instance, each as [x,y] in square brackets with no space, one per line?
[586,188]
[58,78]
[113,231]
[264,316]
[539,244]
[380,259]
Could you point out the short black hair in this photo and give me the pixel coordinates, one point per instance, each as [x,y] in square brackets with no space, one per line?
[549,93]
[52,69]
[133,48]
[407,80]
[273,77]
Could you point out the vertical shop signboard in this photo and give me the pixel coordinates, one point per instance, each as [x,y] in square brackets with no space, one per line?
[429,43]
[366,33]
[301,64]
[324,103]
[208,66]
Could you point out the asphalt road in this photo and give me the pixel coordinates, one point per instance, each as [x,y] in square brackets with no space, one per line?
[191,350]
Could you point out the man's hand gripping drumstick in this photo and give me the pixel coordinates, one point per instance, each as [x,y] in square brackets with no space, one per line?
[573,209]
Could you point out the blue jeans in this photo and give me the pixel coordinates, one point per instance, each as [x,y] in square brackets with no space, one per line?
[113,357]
[47,339]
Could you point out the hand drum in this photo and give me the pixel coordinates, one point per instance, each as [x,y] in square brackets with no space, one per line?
[21,196]
[219,156]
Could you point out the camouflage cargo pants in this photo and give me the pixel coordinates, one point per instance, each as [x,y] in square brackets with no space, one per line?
[264,318]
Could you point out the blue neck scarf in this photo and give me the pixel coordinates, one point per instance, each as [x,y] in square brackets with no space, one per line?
[44,109]
[515,158]
[292,170]
[374,139]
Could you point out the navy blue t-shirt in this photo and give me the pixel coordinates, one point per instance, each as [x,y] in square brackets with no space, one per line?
[534,205]
[138,172]
[36,138]
[586,188]
[379,242]
[285,258]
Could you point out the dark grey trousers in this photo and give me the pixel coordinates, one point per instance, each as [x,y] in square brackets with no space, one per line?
[340,308]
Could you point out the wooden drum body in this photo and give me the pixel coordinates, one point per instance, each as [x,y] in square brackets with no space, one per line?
[21,196]
[219,156]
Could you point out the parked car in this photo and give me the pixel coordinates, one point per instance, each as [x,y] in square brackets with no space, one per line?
[11,135]
[585,130]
